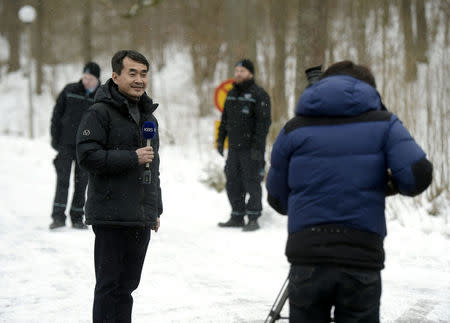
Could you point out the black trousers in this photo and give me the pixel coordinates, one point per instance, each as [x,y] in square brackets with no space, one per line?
[119,256]
[63,165]
[354,293]
[243,176]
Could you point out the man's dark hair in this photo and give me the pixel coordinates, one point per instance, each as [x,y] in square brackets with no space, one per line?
[349,68]
[117,59]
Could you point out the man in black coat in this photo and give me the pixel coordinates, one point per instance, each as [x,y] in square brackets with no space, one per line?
[72,102]
[121,208]
[246,121]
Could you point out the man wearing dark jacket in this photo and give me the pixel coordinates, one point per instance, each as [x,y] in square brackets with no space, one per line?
[73,101]
[329,169]
[246,121]
[121,208]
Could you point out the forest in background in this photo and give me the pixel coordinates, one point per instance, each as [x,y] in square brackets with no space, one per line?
[404,42]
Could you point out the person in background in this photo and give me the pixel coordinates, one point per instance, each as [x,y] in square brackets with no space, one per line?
[329,168]
[72,102]
[121,207]
[246,121]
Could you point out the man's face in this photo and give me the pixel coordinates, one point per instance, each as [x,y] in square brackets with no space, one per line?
[89,81]
[133,79]
[242,74]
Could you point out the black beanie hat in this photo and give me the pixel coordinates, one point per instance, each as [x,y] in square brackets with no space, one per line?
[247,64]
[92,68]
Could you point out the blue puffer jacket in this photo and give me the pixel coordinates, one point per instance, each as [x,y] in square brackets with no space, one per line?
[329,163]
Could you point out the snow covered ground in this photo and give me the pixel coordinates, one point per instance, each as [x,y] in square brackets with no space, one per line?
[194,271]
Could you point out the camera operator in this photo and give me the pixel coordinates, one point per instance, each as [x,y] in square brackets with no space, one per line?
[329,169]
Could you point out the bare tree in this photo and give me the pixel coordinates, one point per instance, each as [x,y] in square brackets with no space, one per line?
[422,32]
[408,41]
[239,31]
[278,91]
[204,41]
[384,28]
[312,39]
[86,33]
[39,45]
[360,14]
[10,11]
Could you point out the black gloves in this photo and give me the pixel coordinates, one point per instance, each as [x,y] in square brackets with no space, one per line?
[220,149]
[391,187]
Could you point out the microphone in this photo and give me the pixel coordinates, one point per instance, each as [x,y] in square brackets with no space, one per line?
[148,131]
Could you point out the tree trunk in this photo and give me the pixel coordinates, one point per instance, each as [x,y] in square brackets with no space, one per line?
[279,27]
[360,31]
[10,16]
[330,42]
[410,60]
[39,45]
[385,26]
[240,32]
[204,62]
[250,32]
[233,32]
[86,35]
[311,39]
[204,38]
[422,32]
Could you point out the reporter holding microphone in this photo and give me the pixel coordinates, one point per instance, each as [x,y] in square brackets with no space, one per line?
[124,194]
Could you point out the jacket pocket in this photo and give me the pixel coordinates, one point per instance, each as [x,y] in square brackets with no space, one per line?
[362,277]
[301,274]
[302,289]
[101,187]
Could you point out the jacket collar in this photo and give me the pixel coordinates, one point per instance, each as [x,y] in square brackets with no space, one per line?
[244,86]
[82,89]
[109,94]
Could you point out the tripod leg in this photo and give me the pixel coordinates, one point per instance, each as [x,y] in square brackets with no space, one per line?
[278,305]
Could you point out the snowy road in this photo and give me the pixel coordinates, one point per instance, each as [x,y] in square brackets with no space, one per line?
[194,272]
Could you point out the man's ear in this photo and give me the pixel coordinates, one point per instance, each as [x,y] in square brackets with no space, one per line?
[114,77]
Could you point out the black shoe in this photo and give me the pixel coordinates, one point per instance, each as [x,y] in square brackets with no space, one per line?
[233,222]
[79,225]
[57,224]
[252,225]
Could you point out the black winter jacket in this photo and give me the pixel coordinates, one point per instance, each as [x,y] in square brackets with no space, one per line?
[246,117]
[107,140]
[70,106]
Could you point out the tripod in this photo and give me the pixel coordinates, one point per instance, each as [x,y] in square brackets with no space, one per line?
[275,312]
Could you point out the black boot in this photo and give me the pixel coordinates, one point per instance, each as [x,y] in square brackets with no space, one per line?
[57,224]
[79,225]
[252,225]
[77,221]
[233,222]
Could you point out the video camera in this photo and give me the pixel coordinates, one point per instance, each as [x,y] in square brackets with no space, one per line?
[313,74]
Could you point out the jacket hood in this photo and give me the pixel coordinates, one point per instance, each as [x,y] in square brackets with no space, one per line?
[339,95]
[109,93]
